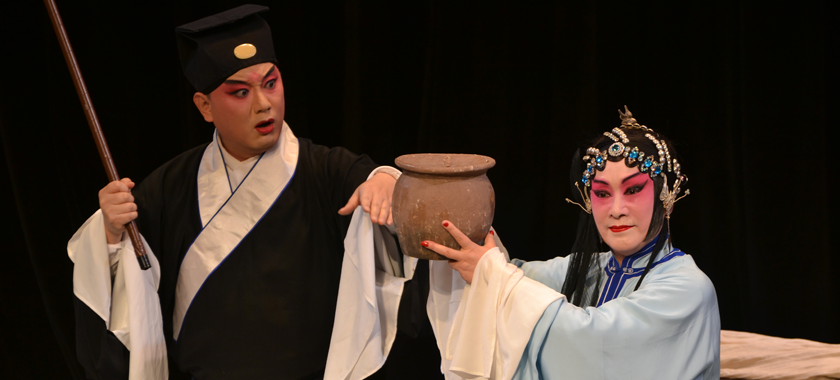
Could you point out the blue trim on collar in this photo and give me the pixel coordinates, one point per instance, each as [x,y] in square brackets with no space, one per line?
[227,174]
[292,177]
[632,259]
[224,163]
[617,277]
[233,191]
[233,250]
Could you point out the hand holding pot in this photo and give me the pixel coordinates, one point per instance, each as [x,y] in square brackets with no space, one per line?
[435,187]
[465,260]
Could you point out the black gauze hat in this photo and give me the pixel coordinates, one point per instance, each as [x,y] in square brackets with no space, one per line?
[215,47]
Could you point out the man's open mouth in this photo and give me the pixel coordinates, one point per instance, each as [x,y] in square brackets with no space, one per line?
[265,126]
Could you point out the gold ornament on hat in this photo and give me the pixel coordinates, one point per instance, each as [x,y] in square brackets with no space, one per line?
[245,51]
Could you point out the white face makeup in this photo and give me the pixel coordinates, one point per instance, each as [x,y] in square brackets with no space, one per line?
[247,110]
[622,205]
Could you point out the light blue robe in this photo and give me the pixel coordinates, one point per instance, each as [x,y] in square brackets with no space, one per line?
[668,329]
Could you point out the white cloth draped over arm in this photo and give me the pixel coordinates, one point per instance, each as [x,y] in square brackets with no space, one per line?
[365,323]
[131,308]
[494,320]
[446,288]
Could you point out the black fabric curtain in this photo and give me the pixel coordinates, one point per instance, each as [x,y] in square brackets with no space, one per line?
[744,91]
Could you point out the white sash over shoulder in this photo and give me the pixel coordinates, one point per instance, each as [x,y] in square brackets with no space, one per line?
[229,218]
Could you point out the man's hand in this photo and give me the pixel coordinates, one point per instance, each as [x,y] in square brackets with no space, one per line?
[465,260]
[374,195]
[118,208]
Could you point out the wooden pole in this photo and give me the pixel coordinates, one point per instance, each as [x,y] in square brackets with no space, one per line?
[93,122]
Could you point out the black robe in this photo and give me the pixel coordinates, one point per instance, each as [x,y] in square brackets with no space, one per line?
[267,310]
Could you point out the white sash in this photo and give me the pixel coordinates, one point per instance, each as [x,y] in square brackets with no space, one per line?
[237,213]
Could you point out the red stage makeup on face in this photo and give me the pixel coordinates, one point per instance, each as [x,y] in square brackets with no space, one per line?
[248,110]
[622,205]
[628,184]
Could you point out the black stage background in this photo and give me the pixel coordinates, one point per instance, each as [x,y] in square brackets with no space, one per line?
[743,90]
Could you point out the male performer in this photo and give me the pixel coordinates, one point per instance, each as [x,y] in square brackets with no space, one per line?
[244,234]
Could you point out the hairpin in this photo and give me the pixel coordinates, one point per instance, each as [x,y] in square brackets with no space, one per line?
[587,203]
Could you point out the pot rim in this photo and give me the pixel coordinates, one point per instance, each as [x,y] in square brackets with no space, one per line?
[445,163]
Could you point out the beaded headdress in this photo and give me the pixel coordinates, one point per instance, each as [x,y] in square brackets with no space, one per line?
[653,166]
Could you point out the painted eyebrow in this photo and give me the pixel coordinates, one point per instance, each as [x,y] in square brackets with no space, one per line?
[269,72]
[622,181]
[233,81]
[629,177]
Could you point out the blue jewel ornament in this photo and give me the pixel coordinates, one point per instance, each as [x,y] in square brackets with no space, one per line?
[634,154]
[616,149]
[599,159]
[645,165]
[657,170]
[585,180]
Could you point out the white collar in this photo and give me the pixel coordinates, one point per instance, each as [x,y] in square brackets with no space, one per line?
[236,170]
[228,218]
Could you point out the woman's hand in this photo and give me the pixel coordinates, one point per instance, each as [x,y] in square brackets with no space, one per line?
[465,260]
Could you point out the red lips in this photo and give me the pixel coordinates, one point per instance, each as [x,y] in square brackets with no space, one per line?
[265,127]
[620,228]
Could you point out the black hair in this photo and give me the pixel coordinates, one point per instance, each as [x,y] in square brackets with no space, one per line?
[585,264]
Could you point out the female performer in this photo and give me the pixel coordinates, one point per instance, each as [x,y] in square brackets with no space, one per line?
[640,310]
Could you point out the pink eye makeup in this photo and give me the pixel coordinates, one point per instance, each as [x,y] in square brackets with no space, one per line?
[600,190]
[270,83]
[241,88]
[271,77]
[601,195]
[236,90]
[635,187]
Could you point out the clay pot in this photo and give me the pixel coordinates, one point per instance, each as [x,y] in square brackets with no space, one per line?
[434,187]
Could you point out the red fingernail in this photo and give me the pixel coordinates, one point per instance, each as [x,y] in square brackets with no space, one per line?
[492,233]
[424,243]
[446,224]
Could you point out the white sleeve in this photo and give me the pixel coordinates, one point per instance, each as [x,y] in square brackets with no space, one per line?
[389,257]
[368,303]
[129,304]
[89,251]
[497,313]
[113,255]
[389,170]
